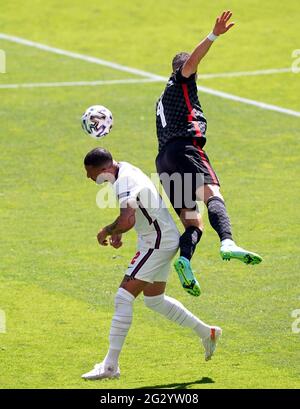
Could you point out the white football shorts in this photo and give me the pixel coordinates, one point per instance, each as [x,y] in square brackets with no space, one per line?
[151,265]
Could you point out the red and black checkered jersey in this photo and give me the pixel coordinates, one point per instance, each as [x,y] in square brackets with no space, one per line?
[178,111]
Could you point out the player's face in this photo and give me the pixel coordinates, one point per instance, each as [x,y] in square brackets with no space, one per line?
[92,172]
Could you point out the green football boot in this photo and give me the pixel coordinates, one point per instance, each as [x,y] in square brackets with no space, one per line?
[186,276]
[230,250]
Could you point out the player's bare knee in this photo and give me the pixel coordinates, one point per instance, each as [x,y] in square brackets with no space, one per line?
[212,191]
[133,285]
[200,193]
[190,218]
[154,289]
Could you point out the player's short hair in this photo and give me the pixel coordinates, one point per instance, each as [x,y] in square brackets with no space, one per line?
[98,157]
[179,60]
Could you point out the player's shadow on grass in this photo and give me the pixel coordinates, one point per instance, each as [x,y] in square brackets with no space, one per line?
[182,385]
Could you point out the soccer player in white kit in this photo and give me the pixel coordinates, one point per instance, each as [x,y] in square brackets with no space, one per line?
[141,207]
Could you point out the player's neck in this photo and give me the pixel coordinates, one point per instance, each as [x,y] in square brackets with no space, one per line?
[116,168]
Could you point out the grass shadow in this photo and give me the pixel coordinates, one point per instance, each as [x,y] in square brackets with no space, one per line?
[180,385]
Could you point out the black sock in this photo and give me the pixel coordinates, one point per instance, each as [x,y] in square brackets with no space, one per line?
[189,240]
[218,217]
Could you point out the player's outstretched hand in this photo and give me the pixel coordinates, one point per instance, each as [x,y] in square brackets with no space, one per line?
[221,25]
[101,237]
[115,240]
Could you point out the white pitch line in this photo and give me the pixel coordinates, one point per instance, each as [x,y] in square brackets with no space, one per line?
[77,83]
[137,81]
[245,73]
[247,101]
[77,56]
[145,74]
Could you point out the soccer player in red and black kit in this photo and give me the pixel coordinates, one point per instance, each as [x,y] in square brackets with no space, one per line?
[181,131]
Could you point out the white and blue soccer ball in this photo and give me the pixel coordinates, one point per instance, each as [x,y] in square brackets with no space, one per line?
[97,121]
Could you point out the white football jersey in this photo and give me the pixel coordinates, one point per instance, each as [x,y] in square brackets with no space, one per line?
[154,225]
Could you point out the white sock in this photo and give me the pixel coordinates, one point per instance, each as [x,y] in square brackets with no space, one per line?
[174,311]
[112,358]
[120,325]
[227,242]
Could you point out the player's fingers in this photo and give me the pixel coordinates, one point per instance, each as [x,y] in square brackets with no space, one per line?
[229,26]
[117,245]
[222,15]
[101,240]
[115,242]
[227,17]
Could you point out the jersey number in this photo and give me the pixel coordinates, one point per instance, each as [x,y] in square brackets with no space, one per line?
[160,112]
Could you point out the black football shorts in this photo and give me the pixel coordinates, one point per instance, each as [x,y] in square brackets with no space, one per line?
[183,167]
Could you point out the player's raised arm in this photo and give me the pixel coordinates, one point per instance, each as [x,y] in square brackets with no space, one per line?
[222,25]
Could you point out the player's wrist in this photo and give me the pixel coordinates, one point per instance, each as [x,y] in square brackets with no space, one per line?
[212,36]
[107,231]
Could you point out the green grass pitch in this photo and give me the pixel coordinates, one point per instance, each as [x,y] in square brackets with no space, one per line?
[57,285]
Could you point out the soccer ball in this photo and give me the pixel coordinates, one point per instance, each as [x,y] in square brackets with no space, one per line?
[97,121]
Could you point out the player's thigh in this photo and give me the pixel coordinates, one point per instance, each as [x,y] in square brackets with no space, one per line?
[189,177]
[203,175]
[149,271]
[145,266]
[133,285]
[162,266]
[173,176]
[172,183]
[180,188]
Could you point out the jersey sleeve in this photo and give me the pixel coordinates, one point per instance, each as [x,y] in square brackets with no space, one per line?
[181,79]
[127,190]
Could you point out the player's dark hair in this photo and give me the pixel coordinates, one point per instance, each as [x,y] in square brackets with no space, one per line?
[179,60]
[98,157]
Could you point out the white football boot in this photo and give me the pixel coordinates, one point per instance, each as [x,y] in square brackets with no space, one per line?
[210,342]
[101,371]
[229,250]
